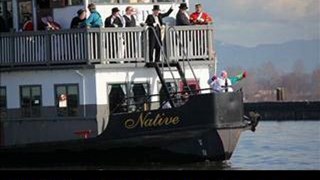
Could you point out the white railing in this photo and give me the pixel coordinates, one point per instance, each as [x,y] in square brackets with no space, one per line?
[104,45]
[192,42]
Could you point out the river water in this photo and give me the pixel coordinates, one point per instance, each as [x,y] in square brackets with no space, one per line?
[275,145]
[287,145]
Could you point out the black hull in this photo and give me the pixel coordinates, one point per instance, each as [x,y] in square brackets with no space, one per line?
[172,148]
[196,133]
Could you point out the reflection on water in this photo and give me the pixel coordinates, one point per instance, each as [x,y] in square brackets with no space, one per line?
[275,145]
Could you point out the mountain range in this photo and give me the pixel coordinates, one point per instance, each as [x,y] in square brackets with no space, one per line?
[283,56]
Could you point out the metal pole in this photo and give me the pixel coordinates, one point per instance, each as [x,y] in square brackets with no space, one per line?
[83,92]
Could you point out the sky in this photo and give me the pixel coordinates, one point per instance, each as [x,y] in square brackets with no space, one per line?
[253,22]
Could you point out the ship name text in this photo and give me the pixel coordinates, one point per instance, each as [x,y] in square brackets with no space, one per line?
[144,121]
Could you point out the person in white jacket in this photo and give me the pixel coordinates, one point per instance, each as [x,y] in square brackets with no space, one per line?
[221,84]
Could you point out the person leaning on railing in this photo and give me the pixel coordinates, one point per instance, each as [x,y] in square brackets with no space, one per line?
[94,20]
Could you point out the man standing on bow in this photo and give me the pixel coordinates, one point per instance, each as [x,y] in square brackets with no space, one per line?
[223,83]
[199,17]
[154,21]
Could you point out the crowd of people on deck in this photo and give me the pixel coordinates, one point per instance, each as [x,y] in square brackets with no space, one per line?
[116,20]
[128,19]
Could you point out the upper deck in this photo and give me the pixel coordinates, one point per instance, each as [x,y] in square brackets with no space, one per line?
[101,46]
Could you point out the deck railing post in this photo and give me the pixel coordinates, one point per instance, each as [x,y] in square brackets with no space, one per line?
[101,47]
[168,43]
[210,43]
[48,49]
[146,45]
[86,46]
[12,52]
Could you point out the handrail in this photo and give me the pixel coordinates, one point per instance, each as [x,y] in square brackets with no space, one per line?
[185,54]
[163,53]
[86,46]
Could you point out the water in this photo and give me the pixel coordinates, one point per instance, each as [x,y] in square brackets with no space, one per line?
[288,145]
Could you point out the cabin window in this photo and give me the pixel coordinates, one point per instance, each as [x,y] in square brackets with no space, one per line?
[140,100]
[30,100]
[117,94]
[3,102]
[67,99]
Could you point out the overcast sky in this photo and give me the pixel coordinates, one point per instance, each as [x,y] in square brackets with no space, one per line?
[254,22]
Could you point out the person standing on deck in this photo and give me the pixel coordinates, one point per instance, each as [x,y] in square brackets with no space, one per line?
[155,22]
[182,17]
[223,83]
[199,17]
[77,22]
[114,20]
[94,20]
[116,40]
[129,18]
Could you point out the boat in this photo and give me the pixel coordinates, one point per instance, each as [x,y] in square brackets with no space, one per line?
[79,95]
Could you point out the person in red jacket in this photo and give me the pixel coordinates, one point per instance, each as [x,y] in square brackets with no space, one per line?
[199,17]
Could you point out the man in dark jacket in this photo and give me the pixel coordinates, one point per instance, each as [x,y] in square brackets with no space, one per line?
[182,15]
[113,20]
[154,21]
[115,39]
[78,21]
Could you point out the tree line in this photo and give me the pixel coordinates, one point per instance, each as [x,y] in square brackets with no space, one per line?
[262,82]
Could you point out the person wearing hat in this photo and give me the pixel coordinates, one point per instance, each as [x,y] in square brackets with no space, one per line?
[182,18]
[114,20]
[154,21]
[78,21]
[199,17]
[94,20]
